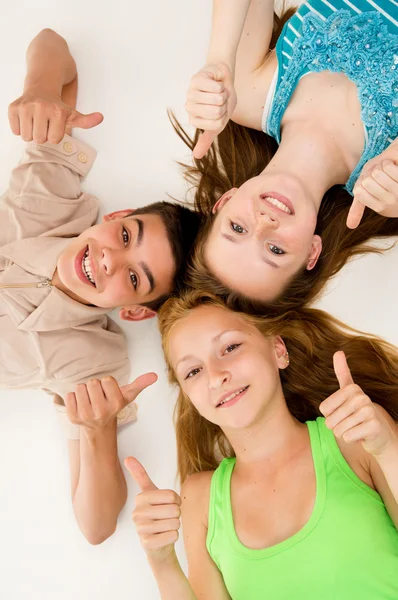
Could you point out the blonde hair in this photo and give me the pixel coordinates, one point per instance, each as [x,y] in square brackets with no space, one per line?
[311,337]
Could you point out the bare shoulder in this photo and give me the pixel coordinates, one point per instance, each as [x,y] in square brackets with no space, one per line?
[195,494]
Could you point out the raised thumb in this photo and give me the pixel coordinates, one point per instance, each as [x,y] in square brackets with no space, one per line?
[131,391]
[355,214]
[77,119]
[139,474]
[203,144]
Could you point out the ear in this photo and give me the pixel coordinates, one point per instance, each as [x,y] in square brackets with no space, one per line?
[136,313]
[316,249]
[223,200]
[282,357]
[118,214]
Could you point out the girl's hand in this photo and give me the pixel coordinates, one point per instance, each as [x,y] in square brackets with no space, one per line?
[95,405]
[156,515]
[211,100]
[377,186]
[41,116]
[352,416]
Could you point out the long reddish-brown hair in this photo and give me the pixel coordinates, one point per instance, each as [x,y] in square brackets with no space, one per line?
[241,153]
[311,337]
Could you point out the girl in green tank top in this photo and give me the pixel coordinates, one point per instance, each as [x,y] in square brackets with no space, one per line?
[278,502]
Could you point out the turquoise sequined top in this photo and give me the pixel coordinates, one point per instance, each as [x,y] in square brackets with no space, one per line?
[358,38]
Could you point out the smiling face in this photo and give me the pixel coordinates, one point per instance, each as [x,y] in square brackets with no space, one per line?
[267,236]
[226,367]
[124,261]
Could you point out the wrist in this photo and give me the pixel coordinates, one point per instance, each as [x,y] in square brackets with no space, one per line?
[226,60]
[98,434]
[163,561]
[388,456]
[43,83]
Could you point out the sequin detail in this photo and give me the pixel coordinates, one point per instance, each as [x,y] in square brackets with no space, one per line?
[362,48]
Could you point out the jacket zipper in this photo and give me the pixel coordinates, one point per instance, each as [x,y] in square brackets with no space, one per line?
[38,284]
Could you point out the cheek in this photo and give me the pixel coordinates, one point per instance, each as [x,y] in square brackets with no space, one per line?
[197,393]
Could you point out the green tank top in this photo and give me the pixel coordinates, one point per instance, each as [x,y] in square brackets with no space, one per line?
[348,550]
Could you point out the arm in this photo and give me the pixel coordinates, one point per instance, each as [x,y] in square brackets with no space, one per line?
[239,43]
[251,80]
[156,518]
[99,489]
[226,31]
[204,579]
[204,576]
[384,473]
[42,112]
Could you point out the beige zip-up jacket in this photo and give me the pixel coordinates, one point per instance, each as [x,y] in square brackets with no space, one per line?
[47,339]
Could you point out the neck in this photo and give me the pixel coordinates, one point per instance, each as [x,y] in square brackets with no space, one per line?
[275,437]
[312,157]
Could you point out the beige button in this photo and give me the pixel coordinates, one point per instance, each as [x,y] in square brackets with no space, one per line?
[123,414]
[68,147]
[82,157]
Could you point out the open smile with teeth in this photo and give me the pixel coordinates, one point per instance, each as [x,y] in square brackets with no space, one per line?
[232,396]
[86,267]
[278,204]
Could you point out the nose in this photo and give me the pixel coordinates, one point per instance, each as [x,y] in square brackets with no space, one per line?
[218,376]
[109,260]
[265,223]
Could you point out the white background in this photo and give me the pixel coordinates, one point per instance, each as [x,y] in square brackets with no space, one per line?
[134,58]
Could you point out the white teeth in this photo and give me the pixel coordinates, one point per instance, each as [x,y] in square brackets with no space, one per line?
[86,266]
[231,396]
[278,204]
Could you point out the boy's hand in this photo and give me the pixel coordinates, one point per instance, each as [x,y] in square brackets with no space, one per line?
[377,186]
[95,405]
[352,415]
[41,116]
[211,100]
[156,515]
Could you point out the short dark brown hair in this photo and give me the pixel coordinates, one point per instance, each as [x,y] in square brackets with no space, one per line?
[182,225]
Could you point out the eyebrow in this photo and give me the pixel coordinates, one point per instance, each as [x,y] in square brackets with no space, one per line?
[149,275]
[269,262]
[230,238]
[140,234]
[144,266]
[235,241]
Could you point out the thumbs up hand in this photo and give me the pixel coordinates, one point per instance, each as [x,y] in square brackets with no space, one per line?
[156,515]
[377,187]
[95,405]
[211,100]
[42,116]
[353,417]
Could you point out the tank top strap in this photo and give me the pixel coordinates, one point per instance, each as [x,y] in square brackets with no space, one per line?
[220,500]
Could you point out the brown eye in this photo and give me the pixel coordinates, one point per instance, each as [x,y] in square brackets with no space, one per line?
[237,228]
[125,236]
[275,249]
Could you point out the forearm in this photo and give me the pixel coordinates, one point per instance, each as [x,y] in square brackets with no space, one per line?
[49,63]
[101,491]
[227,26]
[171,580]
[388,463]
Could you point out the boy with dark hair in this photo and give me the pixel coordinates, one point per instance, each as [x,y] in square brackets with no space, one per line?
[60,275]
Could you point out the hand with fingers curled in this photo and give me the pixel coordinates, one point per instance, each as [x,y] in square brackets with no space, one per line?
[42,116]
[211,100]
[96,404]
[156,515]
[376,187]
[353,417]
